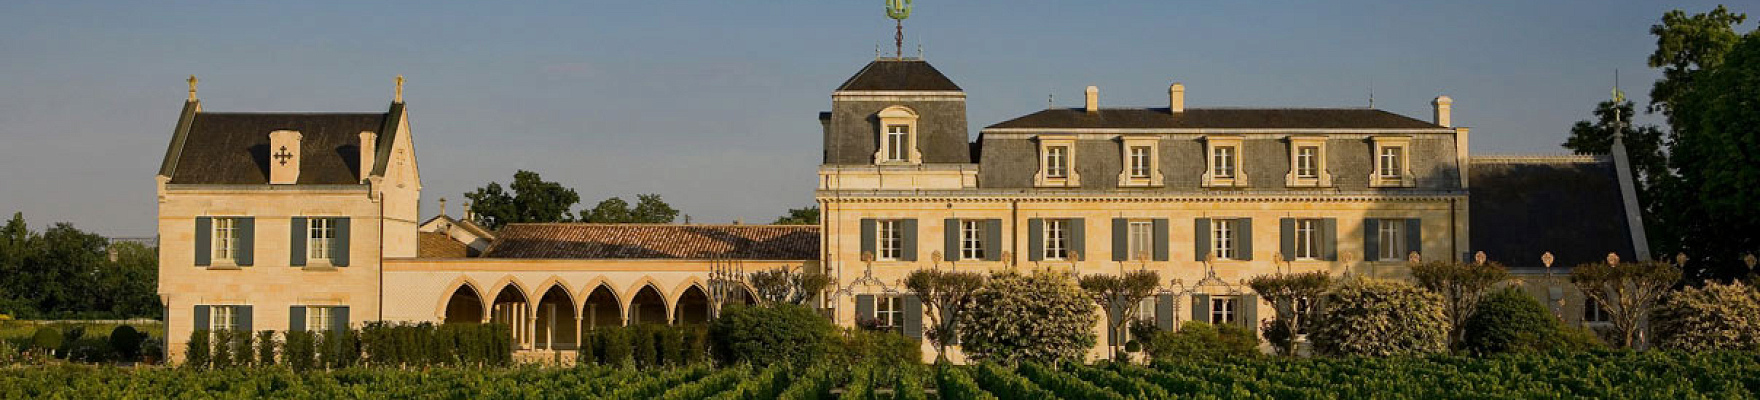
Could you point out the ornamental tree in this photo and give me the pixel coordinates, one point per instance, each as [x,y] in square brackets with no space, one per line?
[788,286]
[1627,291]
[1461,286]
[1120,296]
[1040,317]
[1287,292]
[947,295]
[1375,317]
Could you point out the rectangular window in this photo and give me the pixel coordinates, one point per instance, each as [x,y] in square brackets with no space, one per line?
[1145,316]
[1222,238]
[1307,239]
[1304,308]
[897,142]
[1056,239]
[1392,239]
[222,318]
[318,318]
[1057,162]
[1392,162]
[1592,312]
[1224,161]
[320,232]
[1222,310]
[1308,162]
[971,240]
[889,311]
[1140,162]
[891,239]
[1141,240]
[225,237]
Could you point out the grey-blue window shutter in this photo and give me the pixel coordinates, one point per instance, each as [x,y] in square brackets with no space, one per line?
[1371,239]
[1161,239]
[243,313]
[247,241]
[909,247]
[296,318]
[913,317]
[1078,238]
[1329,239]
[864,307]
[297,241]
[1248,315]
[1114,314]
[1120,240]
[950,240]
[1200,238]
[1201,307]
[1035,239]
[204,241]
[993,240]
[1245,239]
[201,317]
[339,319]
[339,246]
[1164,310]
[1286,234]
[869,233]
[1414,237]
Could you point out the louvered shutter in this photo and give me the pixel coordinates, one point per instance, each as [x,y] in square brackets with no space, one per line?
[296,318]
[1161,239]
[1200,238]
[864,307]
[950,240]
[1371,239]
[1244,239]
[993,240]
[1201,307]
[339,245]
[1286,235]
[909,247]
[296,242]
[1329,239]
[201,317]
[1035,239]
[913,317]
[339,319]
[1164,312]
[1078,238]
[869,233]
[204,241]
[1121,239]
[1414,236]
[247,241]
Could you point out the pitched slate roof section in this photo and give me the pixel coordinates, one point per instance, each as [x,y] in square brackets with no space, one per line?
[233,148]
[899,75]
[1216,118]
[655,241]
[1522,207]
[439,245]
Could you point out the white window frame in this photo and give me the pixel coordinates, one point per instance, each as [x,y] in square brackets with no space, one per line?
[224,236]
[891,239]
[898,139]
[1139,160]
[320,238]
[1593,314]
[889,311]
[905,153]
[1392,239]
[1056,240]
[1308,162]
[1307,170]
[1222,162]
[971,239]
[222,318]
[1140,157]
[1057,162]
[1224,309]
[1392,162]
[1062,171]
[1394,171]
[1224,238]
[318,319]
[1139,239]
[1307,236]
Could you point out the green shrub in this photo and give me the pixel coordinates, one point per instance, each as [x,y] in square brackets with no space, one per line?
[266,346]
[339,349]
[955,384]
[696,344]
[221,356]
[769,334]
[126,342]
[1375,317]
[243,348]
[856,346]
[69,338]
[197,353]
[1512,321]
[1198,340]
[153,349]
[1041,317]
[670,342]
[642,342]
[615,342]
[300,350]
[46,339]
[1714,317]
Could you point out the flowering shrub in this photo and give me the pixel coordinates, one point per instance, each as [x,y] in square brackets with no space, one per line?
[1039,317]
[1714,317]
[1374,317]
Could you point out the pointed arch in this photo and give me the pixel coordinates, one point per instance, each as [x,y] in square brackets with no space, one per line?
[555,281]
[452,288]
[602,307]
[555,319]
[647,304]
[678,290]
[691,306]
[463,304]
[586,290]
[629,295]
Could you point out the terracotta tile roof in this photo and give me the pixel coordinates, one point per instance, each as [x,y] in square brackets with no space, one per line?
[656,241]
[439,245]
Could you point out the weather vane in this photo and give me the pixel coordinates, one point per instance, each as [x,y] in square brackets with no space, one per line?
[899,10]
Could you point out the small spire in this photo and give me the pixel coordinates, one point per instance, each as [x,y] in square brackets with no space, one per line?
[192,87]
[1049,101]
[398,98]
[919,50]
[442,206]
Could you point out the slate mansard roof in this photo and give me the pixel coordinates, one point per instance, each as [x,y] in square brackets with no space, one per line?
[1522,207]
[899,75]
[656,241]
[233,148]
[1215,118]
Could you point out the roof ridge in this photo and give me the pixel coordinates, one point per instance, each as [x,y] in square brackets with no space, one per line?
[292,113]
[650,224]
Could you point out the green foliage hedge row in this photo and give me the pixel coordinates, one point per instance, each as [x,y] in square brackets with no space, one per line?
[646,346]
[382,344]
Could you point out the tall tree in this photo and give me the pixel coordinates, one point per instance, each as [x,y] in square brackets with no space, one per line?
[64,272]
[1685,47]
[609,211]
[799,216]
[1715,151]
[945,295]
[532,200]
[650,209]
[788,285]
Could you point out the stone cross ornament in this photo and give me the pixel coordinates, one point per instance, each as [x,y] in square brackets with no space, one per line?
[283,155]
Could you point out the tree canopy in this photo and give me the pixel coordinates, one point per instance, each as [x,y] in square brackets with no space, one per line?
[533,199]
[64,272]
[799,216]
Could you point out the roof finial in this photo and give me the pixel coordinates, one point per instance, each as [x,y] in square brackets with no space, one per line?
[398,98]
[192,87]
[1049,101]
[898,10]
[1618,120]
[919,50]
[442,206]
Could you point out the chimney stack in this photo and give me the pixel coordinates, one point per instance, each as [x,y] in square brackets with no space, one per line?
[1176,98]
[284,157]
[369,152]
[1443,104]
[1093,99]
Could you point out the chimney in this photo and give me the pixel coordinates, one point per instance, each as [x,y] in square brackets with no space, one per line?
[1093,99]
[1176,98]
[369,152]
[1443,104]
[284,157]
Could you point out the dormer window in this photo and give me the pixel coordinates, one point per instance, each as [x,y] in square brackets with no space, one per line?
[1307,162]
[1142,165]
[1223,155]
[898,137]
[1392,164]
[1139,161]
[1057,160]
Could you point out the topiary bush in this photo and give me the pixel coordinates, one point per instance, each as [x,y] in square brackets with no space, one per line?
[266,345]
[46,339]
[775,333]
[1512,321]
[1375,317]
[197,353]
[1204,341]
[1042,317]
[126,342]
[299,350]
[1714,317]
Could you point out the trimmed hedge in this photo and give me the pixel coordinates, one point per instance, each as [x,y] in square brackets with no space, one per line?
[645,346]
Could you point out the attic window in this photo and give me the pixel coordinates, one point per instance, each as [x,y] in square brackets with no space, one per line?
[898,137]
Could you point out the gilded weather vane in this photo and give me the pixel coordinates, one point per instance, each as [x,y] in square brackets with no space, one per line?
[899,10]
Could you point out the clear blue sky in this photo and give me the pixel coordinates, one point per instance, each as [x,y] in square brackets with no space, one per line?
[713,104]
